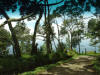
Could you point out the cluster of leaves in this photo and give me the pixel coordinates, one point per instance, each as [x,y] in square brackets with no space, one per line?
[30,6]
[72,53]
[8,5]
[23,36]
[94,27]
[74,28]
[96,64]
[93,31]
[5,40]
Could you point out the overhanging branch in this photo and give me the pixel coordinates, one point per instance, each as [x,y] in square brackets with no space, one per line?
[53,3]
[15,19]
[22,18]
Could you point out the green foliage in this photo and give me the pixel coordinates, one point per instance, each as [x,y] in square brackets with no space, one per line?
[25,47]
[96,64]
[11,64]
[74,29]
[27,62]
[72,53]
[37,70]
[57,56]
[5,41]
[43,49]
[93,31]
[94,27]
[60,47]
[23,35]
[45,68]
[21,30]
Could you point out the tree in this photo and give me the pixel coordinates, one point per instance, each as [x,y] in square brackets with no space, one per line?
[6,6]
[59,37]
[24,37]
[59,45]
[48,29]
[93,27]
[34,46]
[74,9]
[73,29]
[93,31]
[28,8]
[5,40]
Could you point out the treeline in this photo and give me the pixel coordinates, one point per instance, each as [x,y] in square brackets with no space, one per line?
[72,25]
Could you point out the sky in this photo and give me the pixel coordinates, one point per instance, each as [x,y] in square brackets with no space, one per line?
[31,24]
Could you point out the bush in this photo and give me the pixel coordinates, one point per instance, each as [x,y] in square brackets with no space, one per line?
[26,62]
[96,64]
[10,64]
[71,53]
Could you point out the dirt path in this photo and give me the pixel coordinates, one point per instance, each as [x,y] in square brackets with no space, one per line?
[78,66]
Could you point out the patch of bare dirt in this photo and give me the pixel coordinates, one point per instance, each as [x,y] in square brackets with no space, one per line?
[78,66]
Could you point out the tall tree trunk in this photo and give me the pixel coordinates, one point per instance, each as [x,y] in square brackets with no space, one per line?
[14,38]
[34,47]
[85,51]
[71,47]
[54,44]
[59,37]
[14,53]
[48,43]
[79,43]
[47,30]
[79,48]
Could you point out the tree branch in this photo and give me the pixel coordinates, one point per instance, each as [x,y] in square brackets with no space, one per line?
[15,19]
[5,22]
[53,3]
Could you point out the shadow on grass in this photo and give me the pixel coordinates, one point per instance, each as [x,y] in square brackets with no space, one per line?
[79,66]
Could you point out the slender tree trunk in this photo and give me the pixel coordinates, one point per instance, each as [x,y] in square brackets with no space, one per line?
[14,38]
[79,42]
[47,31]
[49,28]
[59,38]
[48,43]
[34,49]
[79,48]
[85,51]
[71,47]
[14,53]
[70,39]
[55,44]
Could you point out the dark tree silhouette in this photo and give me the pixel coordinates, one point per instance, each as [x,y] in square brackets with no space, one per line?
[6,5]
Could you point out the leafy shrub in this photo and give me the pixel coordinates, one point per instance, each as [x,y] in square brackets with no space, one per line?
[96,64]
[71,53]
[27,62]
